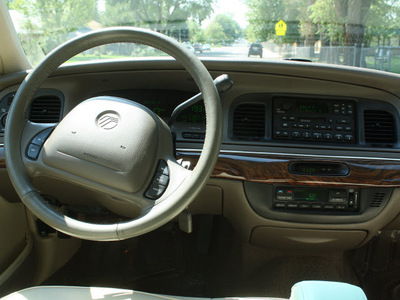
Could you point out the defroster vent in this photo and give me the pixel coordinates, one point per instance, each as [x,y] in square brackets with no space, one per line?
[380,130]
[249,121]
[45,109]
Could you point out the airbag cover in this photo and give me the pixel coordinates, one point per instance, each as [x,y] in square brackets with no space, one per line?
[108,140]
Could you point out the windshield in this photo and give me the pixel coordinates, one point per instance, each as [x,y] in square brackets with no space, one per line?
[345,32]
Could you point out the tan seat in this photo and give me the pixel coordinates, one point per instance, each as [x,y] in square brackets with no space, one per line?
[305,290]
[95,293]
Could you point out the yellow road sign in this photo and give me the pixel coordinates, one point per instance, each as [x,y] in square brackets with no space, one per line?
[280,28]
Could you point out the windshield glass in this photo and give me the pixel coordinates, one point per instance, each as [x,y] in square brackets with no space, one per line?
[346,32]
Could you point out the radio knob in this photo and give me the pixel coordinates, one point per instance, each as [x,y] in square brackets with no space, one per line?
[286,106]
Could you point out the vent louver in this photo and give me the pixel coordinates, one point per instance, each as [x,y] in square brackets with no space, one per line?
[249,121]
[379,128]
[377,200]
[45,109]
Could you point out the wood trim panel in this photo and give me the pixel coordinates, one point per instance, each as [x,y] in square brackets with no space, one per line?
[273,169]
[2,158]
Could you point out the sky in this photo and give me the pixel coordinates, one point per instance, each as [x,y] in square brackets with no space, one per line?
[235,8]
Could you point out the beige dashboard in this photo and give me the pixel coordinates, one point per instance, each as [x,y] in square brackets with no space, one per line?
[253,184]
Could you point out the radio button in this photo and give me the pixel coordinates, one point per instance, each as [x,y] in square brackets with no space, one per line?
[304,205]
[341,206]
[348,137]
[317,135]
[337,199]
[292,205]
[338,137]
[280,204]
[280,192]
[295,134]
[316,206]
[329,206]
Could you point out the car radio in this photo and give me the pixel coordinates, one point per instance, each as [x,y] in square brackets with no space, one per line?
[316,199]
[314,120]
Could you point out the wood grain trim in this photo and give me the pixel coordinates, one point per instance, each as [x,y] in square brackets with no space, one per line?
[2,158]
[273,169]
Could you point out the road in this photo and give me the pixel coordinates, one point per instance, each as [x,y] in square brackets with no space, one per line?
[236,51]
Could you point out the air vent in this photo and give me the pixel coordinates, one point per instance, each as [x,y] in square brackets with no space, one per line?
[379,128]
[377,200]
[249,121]
[45,109]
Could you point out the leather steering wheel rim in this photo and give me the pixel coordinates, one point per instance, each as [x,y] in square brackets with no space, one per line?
[161,213]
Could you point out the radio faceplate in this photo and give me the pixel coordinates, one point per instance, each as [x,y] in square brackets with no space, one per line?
[316,199]
[314,120]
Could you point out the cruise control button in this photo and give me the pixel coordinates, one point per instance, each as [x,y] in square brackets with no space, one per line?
[161,179]
[41,137]
[33,151]
[155,190]
[162,168]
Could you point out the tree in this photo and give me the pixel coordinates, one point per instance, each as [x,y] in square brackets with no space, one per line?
[47,23]
[215,33]
[196,32]
[164,16]
[263,15]
[223,29]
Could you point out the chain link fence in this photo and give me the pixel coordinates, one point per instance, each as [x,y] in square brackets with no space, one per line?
[381,58]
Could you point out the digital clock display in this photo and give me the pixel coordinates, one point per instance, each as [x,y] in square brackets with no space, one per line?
[311,195]
[312,107]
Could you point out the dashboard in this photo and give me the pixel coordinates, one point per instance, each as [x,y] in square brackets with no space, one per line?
[308,150]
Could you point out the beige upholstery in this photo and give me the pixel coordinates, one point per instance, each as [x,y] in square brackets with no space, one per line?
[95,293]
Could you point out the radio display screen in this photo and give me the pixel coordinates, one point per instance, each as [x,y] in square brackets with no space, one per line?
[311,195]
[313,107]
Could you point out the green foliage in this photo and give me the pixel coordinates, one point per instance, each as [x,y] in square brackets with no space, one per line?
[196,33]
[48,23]
[163,15]
[223,30]
[263,15]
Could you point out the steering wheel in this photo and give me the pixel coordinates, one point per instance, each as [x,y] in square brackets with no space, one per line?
[111,145]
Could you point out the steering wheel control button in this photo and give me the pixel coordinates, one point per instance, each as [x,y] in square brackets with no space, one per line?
[162,168]
[160,181]
[41,137]
[33,151]
[155,191]
[37,143]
